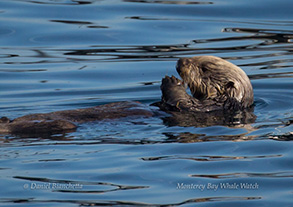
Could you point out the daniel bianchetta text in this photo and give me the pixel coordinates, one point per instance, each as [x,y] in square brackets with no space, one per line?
[53,186]
[217,186]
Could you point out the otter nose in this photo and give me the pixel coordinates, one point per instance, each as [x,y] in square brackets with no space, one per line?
[181,63]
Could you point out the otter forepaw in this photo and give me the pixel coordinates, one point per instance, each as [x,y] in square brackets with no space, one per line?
[173,93]
[169,81]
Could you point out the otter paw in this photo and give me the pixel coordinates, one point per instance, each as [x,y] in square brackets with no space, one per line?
[171,81]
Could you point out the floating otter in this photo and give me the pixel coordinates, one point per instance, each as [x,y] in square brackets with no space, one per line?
[215,84]
[220,90]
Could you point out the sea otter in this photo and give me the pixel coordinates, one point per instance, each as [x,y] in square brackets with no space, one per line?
[220,91]
[215,84]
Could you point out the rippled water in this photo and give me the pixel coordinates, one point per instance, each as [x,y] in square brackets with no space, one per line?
[67,54]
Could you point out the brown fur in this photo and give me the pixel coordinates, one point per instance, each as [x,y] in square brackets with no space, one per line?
[68,120]
[216,85]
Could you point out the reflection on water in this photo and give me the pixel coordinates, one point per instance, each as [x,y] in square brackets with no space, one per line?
[68,54]
[266,39]
[80,23]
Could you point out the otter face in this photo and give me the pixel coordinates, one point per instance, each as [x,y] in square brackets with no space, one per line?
[210,77]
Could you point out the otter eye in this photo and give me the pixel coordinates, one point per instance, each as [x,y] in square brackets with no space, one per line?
[204,69]
[230,84]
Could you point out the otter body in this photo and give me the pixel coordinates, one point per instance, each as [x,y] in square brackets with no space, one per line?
[68,120]
[218,88]
[215,84]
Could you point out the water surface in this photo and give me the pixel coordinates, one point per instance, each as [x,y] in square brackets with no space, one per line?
[68,54]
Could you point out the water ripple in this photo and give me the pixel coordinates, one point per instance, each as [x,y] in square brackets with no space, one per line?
[129,203]
[68,54]
[208,158]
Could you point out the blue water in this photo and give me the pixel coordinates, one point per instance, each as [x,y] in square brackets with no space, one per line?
[68,54]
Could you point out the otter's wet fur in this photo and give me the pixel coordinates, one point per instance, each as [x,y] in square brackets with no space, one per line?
[220,91]
[68,120]
[215,84]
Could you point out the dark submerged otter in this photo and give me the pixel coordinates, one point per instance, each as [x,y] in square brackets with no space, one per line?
[221,93]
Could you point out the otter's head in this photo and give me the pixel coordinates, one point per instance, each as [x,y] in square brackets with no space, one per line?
[210,77]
